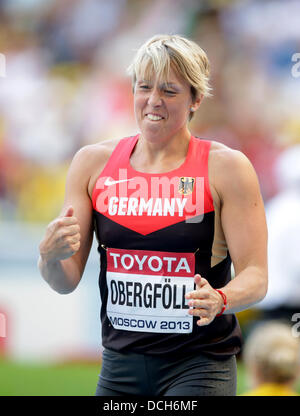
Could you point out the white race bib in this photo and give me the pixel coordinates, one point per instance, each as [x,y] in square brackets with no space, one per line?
[146,290]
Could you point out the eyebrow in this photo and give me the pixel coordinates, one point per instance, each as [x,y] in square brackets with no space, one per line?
[162,85]
[170,85]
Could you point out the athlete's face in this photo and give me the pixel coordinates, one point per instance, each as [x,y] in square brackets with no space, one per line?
[162,108]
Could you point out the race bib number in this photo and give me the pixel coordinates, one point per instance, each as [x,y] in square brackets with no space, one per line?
[146,290]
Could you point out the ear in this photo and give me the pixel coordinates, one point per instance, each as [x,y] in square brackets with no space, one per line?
[196,103]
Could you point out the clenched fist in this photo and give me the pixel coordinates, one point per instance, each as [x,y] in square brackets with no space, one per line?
[62,238]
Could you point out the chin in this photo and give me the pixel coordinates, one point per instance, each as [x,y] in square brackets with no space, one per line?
[151,132]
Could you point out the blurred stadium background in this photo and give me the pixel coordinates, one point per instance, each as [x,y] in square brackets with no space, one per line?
[63,84]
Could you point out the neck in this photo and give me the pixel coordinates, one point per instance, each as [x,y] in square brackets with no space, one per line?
[160,156]
[153,150]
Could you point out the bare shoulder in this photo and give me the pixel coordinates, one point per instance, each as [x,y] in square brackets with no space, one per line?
[96,153]
[90,160]
[230,170]
[222,156]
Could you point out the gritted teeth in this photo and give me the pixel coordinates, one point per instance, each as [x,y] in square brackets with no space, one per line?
[154,117]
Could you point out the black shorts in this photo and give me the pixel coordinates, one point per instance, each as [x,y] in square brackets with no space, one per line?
[125,374]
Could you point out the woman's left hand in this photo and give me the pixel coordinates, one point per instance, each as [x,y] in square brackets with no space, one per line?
[205,300]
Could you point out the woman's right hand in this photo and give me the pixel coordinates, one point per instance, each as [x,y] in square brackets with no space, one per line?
[62,238]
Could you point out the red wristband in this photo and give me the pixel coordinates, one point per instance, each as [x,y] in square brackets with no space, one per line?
[224,301]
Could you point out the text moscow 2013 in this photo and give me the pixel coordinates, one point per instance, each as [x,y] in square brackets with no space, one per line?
[150,405]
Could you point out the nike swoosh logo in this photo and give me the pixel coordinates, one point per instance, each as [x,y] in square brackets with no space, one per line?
[108,182]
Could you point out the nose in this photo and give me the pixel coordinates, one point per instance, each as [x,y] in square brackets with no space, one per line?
[154,99]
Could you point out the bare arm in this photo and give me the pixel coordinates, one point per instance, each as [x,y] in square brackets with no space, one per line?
[65,247]
[244,225]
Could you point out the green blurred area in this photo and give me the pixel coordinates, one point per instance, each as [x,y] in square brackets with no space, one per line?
[69,379]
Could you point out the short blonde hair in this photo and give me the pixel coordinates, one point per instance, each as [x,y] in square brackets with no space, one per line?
[273,351]
[161,52]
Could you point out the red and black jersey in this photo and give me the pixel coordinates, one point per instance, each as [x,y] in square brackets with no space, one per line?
[155,232]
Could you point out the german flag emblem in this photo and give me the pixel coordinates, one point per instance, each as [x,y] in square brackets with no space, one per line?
[186,185]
